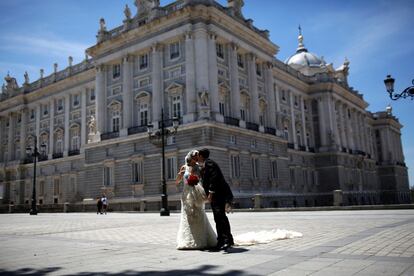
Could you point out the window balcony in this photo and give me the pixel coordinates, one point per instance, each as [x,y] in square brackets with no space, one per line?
[252,126]
[74,152]
[270,130]
[109,135]
[137,129]
[57,155]
[42,157]
[231,121]
[290,146]
[302,148]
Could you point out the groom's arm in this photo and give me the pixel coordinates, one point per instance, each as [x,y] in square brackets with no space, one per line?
[212,176]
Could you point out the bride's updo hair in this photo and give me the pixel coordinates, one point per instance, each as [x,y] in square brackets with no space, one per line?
[189,156]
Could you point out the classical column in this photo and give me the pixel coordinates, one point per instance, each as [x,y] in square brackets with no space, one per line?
[278,112]
[83,119]
[11,138]
[191,95]
[127,94]
[271,94]
[38,110]
[201,60]
[293,121]
[100,100]
[323,128]
[1,139]
[302,108]
[157,93]
[342,123]
[67,130]
[51,127]
[254,100]
[333,122]
[213,78]
[351,144]
[234,81]
[23,125]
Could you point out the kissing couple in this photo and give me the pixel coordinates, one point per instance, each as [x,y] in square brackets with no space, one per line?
[203,182]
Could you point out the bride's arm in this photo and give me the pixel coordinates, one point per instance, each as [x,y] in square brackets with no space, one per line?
[180,175]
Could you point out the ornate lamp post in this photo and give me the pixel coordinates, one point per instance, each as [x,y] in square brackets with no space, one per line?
[389,85]
[161,134]
[32,151]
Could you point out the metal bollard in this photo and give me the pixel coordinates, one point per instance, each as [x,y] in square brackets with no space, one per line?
[142,206]
[11,208]
[65,207]
[257,201]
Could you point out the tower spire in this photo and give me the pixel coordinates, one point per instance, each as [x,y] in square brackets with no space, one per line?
[301,46]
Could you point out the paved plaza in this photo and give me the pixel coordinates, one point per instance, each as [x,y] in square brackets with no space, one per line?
[377,242]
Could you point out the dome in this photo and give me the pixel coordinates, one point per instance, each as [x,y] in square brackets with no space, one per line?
[305,61]
[304,58]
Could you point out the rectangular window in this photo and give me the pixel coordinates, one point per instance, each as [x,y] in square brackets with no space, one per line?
[56,187]
[232,139]
[75,100]
[275,174]
[240,61]
[116,71]
[253,143]
[143,62]
[261,120]
[255,168]
[235,166]
[221,108]
[75,142]
[144,117]
[176,108]
[171,168]
[45,110]
[60,104]
[115,124]
[32,114]
[243,114]
[108,172]
[220,50]
[92,94]
[137,172]
[170,140]
[174,50]
[259,70]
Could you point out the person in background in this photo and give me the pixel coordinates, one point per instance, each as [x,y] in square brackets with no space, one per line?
[104,203]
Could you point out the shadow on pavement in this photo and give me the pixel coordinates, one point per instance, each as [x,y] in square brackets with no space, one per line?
[202,270]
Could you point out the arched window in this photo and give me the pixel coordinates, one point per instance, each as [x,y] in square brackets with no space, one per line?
[224,105]
[143,105]
[44,140]
[115,113]
[59,141]
[175,98]
[244,105]
[74,138]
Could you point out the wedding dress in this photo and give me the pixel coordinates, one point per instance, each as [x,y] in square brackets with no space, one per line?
[251,238]
[195,231]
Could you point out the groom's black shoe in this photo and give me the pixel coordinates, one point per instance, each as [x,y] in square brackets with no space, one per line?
[226,246]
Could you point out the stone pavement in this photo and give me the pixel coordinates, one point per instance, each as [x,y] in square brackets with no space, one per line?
[376,242]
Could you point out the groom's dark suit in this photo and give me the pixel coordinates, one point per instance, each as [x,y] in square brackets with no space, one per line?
[214,182]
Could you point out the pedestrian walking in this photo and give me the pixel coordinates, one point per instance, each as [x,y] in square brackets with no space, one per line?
[104,203]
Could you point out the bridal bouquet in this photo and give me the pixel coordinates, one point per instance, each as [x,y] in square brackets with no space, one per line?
[192,180]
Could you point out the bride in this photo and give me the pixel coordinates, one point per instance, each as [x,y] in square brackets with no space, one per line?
[195,231]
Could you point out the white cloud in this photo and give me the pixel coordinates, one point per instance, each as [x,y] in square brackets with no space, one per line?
[45,46]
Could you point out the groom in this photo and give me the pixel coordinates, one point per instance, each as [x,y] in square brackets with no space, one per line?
[219,194]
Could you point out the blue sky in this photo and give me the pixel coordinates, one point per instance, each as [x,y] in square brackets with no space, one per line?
[376,36]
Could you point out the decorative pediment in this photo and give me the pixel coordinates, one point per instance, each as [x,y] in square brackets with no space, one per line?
[74,125]
[142,94]
[223,86]
[58,129]
[244,92]
[115,105]
[175,87]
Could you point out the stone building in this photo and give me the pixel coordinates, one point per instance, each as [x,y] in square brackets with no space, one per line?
[291,131]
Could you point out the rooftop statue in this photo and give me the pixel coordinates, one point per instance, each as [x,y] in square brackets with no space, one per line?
[127,12]
[145,6]
[237,6]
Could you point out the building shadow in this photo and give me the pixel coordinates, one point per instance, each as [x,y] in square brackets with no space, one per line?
[202,270]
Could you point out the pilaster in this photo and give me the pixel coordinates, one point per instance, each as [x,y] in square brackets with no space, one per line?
[38,124]
[234,81]
[11,138]
[157,87]
[127,93]
[213,78]
[67,130]
[100,100]
[51,127]
[293,121]
[191,97]
[254,100]
[343,127]
[271,94]
[351,143]
[302,108]
[23,125]
[83,119]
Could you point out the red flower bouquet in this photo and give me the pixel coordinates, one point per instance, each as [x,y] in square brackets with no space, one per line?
[192,180]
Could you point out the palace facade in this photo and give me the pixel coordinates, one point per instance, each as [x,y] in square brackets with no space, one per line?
[291,132]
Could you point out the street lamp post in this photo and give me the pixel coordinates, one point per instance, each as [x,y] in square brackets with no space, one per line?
[389,85]
[32,151]
[158,135]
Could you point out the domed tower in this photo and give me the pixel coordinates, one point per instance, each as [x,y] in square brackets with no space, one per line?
[307,63]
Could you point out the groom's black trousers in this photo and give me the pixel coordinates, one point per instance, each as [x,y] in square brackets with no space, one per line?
[222,223]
